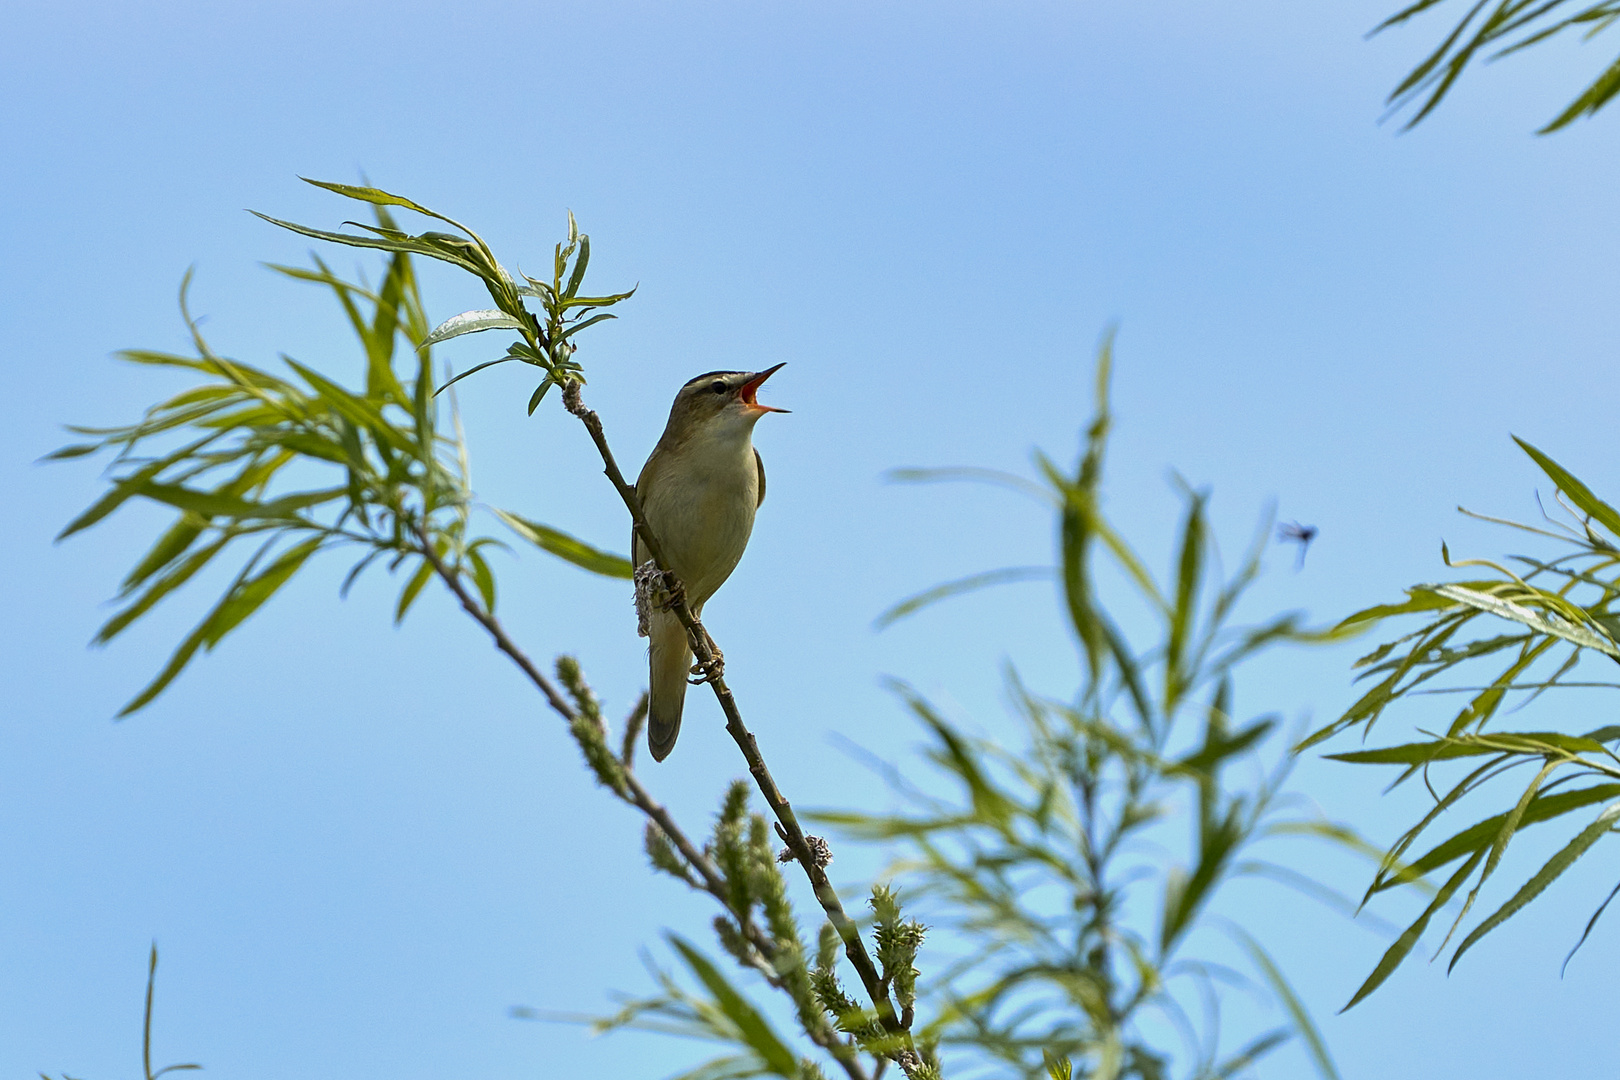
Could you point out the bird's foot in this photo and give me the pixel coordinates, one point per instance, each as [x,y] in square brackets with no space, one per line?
[710,671]
[670,592]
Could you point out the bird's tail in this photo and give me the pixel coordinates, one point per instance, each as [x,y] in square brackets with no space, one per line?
[671,662]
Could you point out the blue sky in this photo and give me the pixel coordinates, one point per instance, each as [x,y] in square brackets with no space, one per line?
[358,847]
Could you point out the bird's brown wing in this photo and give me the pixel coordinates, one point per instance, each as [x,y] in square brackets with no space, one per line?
[760,463]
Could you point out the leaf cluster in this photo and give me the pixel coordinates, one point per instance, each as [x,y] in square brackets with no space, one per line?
[546,339]
[289,465]
[1493,29]
[1529,627]
[1044,859]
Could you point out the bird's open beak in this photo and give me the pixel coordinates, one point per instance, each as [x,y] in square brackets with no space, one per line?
[751,387]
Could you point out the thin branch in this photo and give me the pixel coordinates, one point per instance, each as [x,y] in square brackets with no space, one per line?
[638,796]
[854,947]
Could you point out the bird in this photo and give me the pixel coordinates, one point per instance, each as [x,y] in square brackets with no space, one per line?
[698,490]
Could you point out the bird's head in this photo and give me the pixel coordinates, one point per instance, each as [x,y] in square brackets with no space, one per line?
[718,401]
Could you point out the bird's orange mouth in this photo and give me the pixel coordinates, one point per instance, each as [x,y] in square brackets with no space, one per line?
[751,387]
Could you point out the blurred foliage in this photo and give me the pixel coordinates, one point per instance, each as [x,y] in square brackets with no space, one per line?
[1044,866]
[1493,29]
[1528,629]
[296,465]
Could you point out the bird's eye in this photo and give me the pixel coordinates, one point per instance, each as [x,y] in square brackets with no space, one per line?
[718,386]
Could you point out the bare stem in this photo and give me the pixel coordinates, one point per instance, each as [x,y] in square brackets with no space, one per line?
[793,835]
[710,879]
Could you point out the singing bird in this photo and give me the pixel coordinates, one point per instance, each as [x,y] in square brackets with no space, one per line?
[699,490]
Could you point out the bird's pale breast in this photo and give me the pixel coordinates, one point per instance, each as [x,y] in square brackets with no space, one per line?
[702,509]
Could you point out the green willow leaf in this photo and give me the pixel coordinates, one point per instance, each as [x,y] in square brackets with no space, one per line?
[1420,599]
[76,450]
[595,301]
[1443,749]
[405,244]
[412,589]
[1561,861]
[1586,933]
[355,409]
[1301,1016]
[243,597]
[1242,1062]
[127,488]
[472,322]
[566,547]
[252,593]
[375,196]
[160,588]
[1594,97]
[592,321]
[169,547]
[755,1031]
[210,503]
[1189,573]
[1580,633]
[539,394]
[1579,493]
[913,604]
[483,579]
[312,445]
[581,260]
[1409,937]
[1476,837]
[471,371]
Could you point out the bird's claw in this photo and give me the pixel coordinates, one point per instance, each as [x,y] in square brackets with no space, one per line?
[709,671]
[674,593]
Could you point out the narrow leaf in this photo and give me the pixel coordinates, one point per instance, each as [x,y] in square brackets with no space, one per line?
[592,321]
[1296,1008]
[412,589]
[580,262]
[1588,931]
[375,196]
[567,547]
[471,322]
[755,1032]
[483,579]
[471,371]
[972,583]
[539,394]
[160,588]
[251,594]
[1580,633]
[1413,753]
[77,450]
[1475,837]
[1409,937]
[1579,493]
[1555,866]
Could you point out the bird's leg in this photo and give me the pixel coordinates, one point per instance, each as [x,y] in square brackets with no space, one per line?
[670,592]
[714,669]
